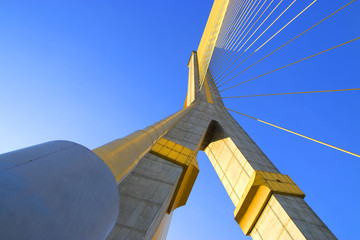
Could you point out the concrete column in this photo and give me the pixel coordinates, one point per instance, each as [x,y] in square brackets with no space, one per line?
[56,190]
[162,231]
[145,197]
[122,155]
[236,160]
[288,217]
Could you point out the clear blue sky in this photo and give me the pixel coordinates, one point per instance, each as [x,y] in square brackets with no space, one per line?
[93,71]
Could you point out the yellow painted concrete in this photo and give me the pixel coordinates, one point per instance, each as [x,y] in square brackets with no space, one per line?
[123,154]
[257,194]
[185,157]
[210,36]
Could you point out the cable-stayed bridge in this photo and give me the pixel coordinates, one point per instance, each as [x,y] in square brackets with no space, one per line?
[204,124]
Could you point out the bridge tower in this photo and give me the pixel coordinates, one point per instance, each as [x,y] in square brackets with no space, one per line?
[268,204]
[153,171]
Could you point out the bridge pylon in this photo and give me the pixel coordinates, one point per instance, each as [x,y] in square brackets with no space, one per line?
[268,204]
[130,187]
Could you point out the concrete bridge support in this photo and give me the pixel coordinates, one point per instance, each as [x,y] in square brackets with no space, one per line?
[154,170]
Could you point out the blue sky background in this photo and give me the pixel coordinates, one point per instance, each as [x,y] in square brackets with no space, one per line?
[93,71]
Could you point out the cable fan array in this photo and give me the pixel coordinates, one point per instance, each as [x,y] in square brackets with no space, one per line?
[247,27]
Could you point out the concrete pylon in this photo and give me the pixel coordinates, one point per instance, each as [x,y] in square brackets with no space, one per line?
[62,190]
[156,168]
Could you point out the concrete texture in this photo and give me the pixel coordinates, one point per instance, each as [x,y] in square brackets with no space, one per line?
[288,217]
[56,190]
[162,231]
[145,196]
